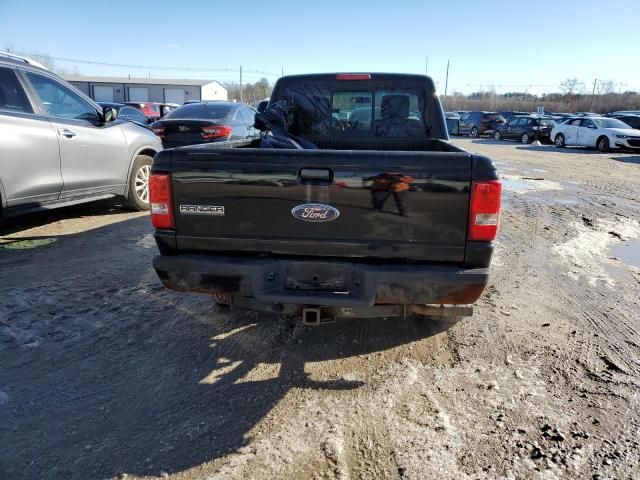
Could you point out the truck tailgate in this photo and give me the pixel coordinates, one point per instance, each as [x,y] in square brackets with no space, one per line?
[366,204]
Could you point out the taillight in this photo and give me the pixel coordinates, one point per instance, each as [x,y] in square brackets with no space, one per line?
[158,130]
[353,76]
[216,131]
[161,200]
[148,110]
[484,210]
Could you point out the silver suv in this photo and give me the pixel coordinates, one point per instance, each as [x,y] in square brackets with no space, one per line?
[58,147]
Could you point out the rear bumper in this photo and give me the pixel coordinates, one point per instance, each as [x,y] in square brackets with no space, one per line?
[269,280]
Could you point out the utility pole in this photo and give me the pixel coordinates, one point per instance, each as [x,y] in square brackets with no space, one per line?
[426,67]
[241,83]
[446,83]
[282,71]
[593,92]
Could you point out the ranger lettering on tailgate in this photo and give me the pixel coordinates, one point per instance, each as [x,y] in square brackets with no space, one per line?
[202,210]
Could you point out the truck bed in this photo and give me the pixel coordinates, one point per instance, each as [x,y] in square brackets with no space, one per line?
[409,201]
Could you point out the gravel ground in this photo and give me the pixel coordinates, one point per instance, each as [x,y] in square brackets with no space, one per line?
[105,374]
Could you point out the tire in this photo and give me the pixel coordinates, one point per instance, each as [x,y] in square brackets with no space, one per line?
[525,138]
[602,144]
[559,141]
[138,190]
[474,132]
[496,136]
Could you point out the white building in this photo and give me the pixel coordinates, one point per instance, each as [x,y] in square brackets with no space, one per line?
[163,90]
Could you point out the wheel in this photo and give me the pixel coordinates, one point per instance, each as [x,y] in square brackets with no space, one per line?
[559,141]
[474,132]
[603,144]
[525,138]
[497,136]
[138,197]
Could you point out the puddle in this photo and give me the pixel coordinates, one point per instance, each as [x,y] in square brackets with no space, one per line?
[519,184]
[539,170]
[18,244]
[516,185]
[628,252]
[565,201]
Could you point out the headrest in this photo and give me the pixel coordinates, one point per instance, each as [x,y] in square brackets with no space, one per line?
[395,106]
[3,97]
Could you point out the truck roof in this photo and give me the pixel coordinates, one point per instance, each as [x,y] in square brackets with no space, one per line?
[373,76]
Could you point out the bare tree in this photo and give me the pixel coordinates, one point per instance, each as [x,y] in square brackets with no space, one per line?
[605,87]
[572,86]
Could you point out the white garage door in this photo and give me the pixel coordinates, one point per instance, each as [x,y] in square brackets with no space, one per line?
[138,94]
[102,93]
[174,95]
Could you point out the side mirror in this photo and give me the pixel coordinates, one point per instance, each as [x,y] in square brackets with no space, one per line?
[259,122]
[262,106]
[109,114]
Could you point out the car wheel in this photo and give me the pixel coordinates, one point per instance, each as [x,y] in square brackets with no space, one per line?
[603,144]
[138,197]
[497,136]
[559,141]
[524,138]
[474,132]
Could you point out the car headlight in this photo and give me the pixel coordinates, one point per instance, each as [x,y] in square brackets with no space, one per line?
[623,136]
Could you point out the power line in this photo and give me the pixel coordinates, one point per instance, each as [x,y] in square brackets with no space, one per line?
[147,67]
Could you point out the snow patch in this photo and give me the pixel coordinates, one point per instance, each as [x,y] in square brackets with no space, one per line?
[588,252]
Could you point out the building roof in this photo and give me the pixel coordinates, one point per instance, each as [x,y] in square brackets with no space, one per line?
[137,80]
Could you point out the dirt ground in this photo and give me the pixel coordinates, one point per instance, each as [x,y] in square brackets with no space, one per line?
[105,374]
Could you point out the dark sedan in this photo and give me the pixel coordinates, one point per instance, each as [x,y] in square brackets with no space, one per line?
[127,112]
[632,120]
[526,129]
[206,122]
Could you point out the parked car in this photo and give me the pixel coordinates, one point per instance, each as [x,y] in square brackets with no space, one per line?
[378,220]
[626,112]
[632,120]
[58,147]
[602,133]
[453,122]
[526,129]
[206,122]
[127,112]
[154,110]
[512,113]
[475,124]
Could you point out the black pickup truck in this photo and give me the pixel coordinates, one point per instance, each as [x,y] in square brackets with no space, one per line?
[367,211]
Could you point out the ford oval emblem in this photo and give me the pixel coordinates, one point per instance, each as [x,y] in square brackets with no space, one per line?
[315,212]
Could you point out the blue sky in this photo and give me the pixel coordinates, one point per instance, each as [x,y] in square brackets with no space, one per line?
[489,42]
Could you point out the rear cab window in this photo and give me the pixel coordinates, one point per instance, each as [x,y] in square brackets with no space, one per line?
[12,96]
[366,108]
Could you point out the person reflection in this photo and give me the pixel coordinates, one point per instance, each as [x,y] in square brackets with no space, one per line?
[386,184]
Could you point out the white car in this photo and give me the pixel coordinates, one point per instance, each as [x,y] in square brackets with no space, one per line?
[602,133]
